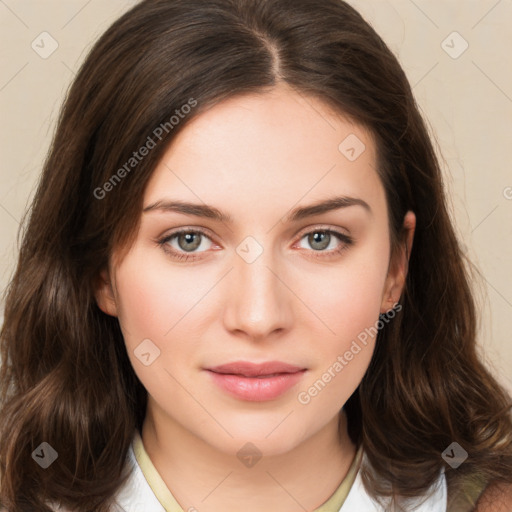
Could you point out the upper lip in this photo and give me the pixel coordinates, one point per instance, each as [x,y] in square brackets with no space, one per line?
[248,369]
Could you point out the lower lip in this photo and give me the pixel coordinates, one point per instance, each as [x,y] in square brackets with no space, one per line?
[256,389]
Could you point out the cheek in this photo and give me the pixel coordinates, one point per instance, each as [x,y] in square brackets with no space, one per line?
[347,300]
[139,304]
[150,302]
[152,299]
[160,303]
[348,296]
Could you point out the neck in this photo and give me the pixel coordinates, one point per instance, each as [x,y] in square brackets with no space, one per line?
[207,478]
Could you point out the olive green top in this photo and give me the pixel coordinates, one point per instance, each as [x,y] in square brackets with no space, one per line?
[466,495]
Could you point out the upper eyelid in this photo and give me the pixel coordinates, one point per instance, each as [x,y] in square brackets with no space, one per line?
[321,227]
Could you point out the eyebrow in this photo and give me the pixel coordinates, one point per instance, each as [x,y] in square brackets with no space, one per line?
[299,213]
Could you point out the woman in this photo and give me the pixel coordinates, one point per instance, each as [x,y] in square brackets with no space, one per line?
[239,282]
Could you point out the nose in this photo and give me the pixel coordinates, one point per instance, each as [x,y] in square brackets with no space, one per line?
[259,303]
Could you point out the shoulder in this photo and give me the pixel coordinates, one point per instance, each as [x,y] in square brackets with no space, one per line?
[495,498]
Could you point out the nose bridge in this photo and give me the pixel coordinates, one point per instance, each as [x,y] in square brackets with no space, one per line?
[258,303]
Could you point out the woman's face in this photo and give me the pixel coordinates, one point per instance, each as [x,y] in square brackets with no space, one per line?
[267,284]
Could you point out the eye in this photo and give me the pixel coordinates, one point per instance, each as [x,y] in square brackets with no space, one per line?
[321,239]
[179,243]
[183,245]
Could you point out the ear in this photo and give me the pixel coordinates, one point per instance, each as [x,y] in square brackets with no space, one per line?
[104,293]
[397,271]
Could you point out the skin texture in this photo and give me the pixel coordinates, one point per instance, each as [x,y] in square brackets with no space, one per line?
[256,157]
[496,498]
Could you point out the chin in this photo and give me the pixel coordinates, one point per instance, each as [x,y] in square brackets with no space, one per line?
[255,440]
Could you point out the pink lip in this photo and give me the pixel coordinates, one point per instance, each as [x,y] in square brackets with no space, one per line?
[256,382]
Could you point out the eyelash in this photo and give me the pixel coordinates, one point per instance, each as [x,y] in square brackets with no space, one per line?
[346,240]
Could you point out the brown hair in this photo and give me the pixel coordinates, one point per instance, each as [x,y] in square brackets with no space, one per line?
[66,378]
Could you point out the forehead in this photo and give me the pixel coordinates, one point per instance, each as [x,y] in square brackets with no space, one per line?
[268,152]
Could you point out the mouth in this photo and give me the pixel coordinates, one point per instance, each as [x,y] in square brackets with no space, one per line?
[249,369]
[256,382]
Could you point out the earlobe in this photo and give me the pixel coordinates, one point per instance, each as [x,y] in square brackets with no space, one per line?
[397,273]
[104,293]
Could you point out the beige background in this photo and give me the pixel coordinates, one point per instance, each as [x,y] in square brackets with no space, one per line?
[465,95]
